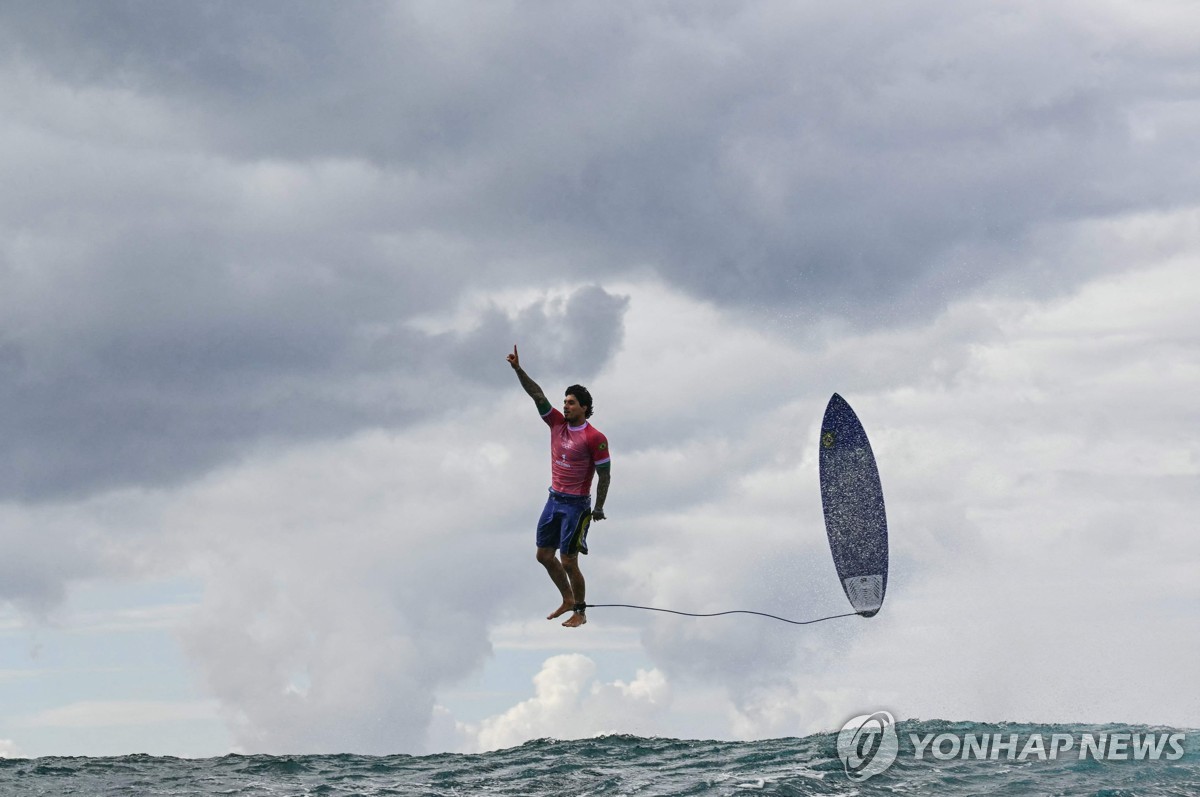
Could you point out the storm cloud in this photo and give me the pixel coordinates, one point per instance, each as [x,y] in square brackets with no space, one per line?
[226,213]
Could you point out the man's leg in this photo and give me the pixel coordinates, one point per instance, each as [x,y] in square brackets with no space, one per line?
[559,576]
[570,565]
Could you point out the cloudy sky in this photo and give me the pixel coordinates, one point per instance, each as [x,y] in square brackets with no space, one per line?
[268,485]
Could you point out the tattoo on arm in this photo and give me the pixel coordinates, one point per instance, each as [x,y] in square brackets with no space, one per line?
[532,389]
[604,472]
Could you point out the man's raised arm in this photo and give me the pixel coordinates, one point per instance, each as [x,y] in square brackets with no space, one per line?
[531,387]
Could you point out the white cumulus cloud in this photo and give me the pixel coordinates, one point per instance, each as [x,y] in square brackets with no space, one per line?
[570,703]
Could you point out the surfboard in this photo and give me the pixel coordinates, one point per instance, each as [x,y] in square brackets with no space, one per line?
[852,499]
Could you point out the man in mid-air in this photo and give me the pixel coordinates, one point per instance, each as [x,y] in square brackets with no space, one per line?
[577,450]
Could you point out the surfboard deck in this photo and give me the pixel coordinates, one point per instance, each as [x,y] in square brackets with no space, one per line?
[852,500]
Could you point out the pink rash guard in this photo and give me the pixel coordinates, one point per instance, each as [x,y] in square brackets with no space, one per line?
[575,451]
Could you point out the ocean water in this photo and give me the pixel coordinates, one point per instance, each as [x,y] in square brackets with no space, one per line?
[631,765]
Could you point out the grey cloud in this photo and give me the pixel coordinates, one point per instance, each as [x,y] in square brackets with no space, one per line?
[163,309]
[571,338]
[776,155]
[39,557]
[32,586]
[156,399]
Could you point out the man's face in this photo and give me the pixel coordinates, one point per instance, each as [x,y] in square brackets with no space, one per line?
[573,410]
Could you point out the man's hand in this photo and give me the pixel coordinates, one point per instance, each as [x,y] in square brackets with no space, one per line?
[597,514]
[531,387]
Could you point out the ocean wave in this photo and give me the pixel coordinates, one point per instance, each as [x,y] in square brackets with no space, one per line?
[627,765]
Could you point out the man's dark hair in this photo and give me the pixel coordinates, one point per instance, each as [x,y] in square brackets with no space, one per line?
[581,395]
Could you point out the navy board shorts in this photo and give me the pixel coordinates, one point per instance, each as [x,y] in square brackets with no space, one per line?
[564,523]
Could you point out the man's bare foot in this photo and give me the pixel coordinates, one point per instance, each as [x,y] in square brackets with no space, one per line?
[561,610]
[575,620]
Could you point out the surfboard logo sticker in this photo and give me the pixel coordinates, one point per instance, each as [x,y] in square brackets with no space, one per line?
[827,439]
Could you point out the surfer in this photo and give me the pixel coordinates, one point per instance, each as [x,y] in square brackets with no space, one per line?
[577,450]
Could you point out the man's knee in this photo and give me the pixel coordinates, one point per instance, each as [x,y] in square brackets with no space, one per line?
[570,563]
[545,555]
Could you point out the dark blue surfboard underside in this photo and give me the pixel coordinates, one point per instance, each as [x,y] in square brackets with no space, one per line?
[852,498]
